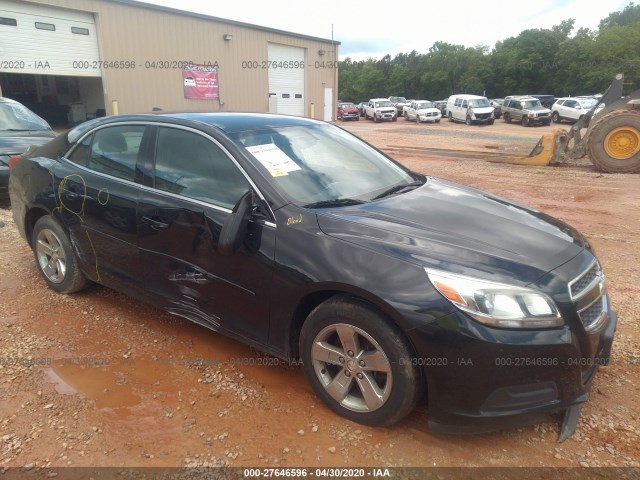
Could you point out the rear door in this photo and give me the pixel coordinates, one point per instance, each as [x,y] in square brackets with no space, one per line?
[97,191]
[194,185]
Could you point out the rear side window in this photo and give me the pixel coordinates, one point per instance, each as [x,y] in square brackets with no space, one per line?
[111,150]
[191,165]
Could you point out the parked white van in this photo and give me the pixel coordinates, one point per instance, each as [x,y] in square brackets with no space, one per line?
[469,109]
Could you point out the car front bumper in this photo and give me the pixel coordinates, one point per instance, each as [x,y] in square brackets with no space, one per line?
[482,379]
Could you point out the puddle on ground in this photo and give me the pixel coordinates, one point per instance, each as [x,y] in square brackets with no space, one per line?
[107,388]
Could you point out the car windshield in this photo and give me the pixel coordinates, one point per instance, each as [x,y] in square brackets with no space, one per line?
[479,102]
[16,117]
[384,103]
[422,105]
[588,104]
[322,163]
[346,106]
[531,104]
[401,100]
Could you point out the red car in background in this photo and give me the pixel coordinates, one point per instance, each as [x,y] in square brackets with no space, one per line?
[348,111]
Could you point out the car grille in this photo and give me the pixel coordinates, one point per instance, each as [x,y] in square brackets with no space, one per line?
[590,315]
[589,295]
[543,114]
[431,114]
[583,281]
[483,116]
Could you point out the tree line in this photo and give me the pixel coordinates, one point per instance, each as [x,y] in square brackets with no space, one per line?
[537,61]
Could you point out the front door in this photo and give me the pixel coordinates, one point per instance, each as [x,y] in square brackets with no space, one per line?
[180,214]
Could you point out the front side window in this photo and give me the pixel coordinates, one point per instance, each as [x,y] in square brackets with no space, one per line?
[191,165]
[111,150]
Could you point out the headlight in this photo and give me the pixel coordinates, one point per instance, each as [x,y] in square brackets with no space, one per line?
[497,304]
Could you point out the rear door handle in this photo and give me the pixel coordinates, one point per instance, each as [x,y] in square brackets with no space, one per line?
[155,224]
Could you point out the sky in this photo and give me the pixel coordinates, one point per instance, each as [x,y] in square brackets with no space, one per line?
[374,28]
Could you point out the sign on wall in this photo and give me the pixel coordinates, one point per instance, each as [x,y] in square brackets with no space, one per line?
[200,82]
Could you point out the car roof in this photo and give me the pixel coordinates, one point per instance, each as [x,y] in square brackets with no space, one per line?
[228,122]
[521,97]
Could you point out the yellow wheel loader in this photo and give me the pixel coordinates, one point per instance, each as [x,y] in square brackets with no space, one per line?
[612,139]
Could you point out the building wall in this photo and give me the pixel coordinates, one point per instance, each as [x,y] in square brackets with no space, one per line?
[134,33]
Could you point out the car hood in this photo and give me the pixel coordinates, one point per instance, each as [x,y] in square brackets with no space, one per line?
[451,227]
[428,110]
[482,109]
[14,143]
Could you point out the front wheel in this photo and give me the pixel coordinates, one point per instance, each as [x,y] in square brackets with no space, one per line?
[418,119]
[525,121]
[555,117]
[468,120]
[358,363]
[450,117]
[507,118]
[55,259]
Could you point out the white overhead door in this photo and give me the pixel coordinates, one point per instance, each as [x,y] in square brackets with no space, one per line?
[47,40]
[287,83]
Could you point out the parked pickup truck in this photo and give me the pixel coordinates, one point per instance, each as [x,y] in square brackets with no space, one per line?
[380,109]
[422,111]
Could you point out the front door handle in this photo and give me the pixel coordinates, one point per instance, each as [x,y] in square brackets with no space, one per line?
[155,224]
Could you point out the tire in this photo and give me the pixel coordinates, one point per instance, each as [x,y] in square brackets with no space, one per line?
[339,322]
[450,117]
[491,122]
[395,119]
[613,142]
[525,122]
[375,118]
[55,258]
[418,119]
[357,119]
[555,117]
[438,121]
[468,120]
[507,118]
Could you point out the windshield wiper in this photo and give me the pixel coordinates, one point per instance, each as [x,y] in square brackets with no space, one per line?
[398,189]
[336,202]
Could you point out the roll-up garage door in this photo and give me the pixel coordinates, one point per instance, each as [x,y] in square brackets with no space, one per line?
[47,40]
[286,84]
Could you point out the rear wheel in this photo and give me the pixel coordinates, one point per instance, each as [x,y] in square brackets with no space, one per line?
[55,258]
[358,363]
[613,143]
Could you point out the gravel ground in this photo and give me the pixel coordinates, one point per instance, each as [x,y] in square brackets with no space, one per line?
[97,379]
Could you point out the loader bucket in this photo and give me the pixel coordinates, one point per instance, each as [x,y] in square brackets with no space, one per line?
[544,153]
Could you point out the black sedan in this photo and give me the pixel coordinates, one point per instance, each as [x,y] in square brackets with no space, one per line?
[19,129]
[298,238]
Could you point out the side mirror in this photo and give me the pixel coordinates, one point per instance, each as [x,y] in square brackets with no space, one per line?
[234,229]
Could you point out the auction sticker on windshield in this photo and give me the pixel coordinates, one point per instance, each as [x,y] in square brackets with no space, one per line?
[275,160]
